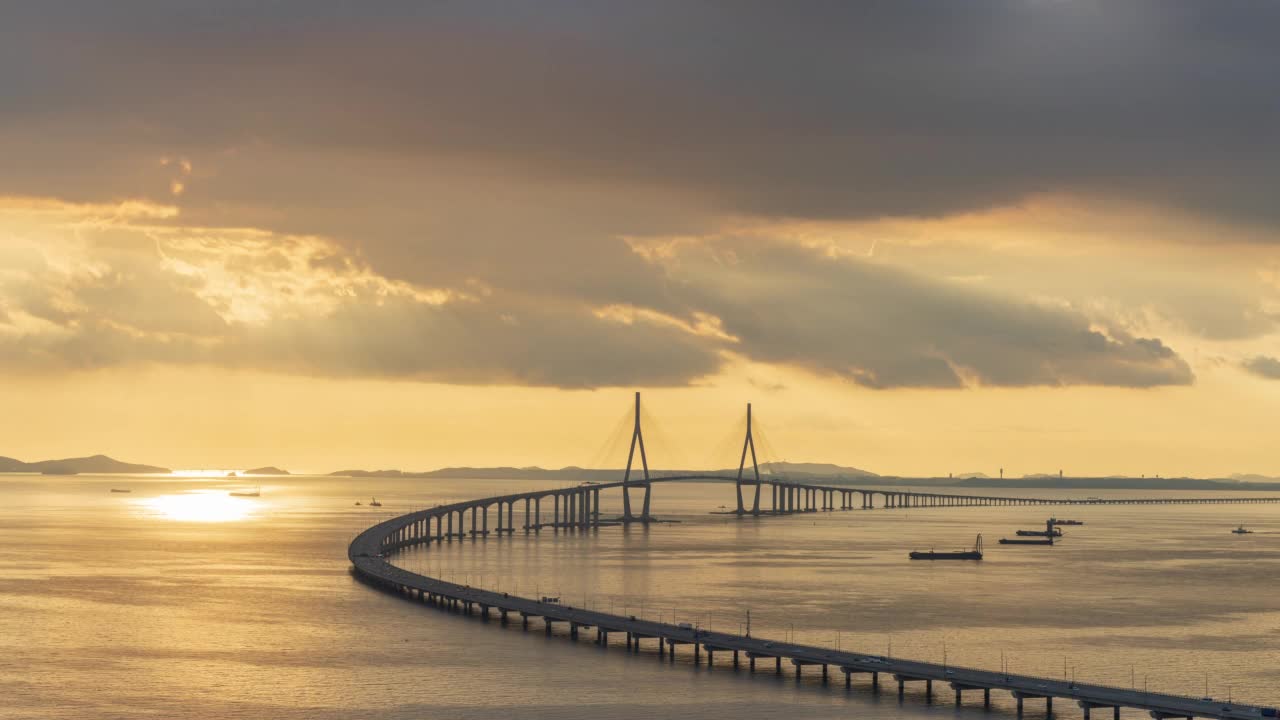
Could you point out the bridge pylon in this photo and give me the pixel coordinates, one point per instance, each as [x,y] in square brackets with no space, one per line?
[749,443]
[637,439]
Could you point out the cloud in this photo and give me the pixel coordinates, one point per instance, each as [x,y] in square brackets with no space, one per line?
[1264,366]
[123,292]
[906,108]
[126,295]
[884,327]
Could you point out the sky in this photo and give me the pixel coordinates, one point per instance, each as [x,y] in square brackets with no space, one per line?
[920,237]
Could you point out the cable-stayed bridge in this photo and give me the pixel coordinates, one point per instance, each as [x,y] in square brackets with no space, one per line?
[577,509]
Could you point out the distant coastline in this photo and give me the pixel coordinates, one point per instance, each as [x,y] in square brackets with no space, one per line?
[839,476]
[805,472]
[94,464]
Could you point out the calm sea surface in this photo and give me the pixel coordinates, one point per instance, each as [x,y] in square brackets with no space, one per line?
[179,601]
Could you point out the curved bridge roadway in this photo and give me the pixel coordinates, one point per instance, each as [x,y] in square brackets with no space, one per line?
[369,550]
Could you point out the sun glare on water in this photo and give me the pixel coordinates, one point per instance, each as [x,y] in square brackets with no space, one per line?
[200,506]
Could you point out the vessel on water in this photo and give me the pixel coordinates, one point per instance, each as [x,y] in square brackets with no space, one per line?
[121,490]
[1055,532]
[974,554]
[1056,521]
[374,503]
[1242,531]
[247,493]
[1026,541]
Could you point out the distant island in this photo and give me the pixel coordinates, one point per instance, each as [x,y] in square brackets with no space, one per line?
[94,464]
[268,470]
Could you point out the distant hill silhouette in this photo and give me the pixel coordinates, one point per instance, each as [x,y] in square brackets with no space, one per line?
[816,469]
[833,474]
[824,470]
[94,464]
[1254,477]
[268,470]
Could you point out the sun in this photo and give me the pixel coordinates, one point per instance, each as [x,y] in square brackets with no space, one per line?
[200,506]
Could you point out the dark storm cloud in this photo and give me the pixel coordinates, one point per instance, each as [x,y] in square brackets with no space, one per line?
[1263,366]
[834,109]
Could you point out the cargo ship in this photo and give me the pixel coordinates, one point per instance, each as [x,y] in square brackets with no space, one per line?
[1056,521]
[1055,532]
[1026,541]
[974,554]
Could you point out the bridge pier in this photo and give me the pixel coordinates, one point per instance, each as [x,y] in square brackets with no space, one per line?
[1086,706]
[1048,701]
[904,679]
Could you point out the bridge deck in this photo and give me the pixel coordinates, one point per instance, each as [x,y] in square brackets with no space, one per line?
[367,551]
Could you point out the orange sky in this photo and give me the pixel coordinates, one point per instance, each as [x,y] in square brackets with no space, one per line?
[448,236]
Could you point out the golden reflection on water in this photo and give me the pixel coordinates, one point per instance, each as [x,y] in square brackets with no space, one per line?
[200,506]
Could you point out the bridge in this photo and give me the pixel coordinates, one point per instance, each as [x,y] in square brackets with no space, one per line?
[577,509]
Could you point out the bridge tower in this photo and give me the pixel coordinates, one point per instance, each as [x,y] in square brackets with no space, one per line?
[637,438]
[749,442]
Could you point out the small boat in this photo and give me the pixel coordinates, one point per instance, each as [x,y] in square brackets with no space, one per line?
[122,490]
[1242,531]
[232,474]
[1026,541]
[247,493]
[374,503]
[359,503]
[974,554]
